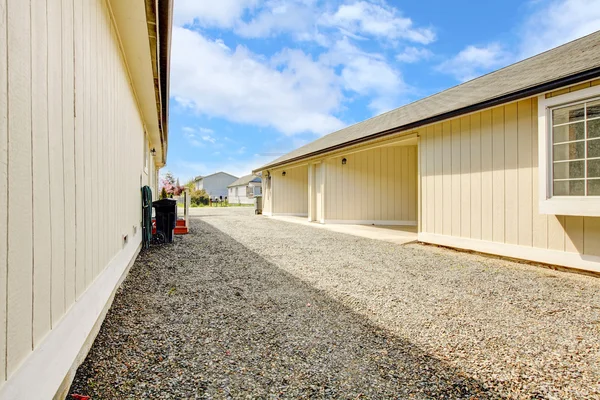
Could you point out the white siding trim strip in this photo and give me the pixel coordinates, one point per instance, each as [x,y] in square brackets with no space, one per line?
[371,222]
[60,351]
[546,256]
[288,215]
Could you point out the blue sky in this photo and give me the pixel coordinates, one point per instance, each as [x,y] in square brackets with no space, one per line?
[254,79]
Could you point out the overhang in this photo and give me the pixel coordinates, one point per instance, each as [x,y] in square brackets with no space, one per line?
[144,31]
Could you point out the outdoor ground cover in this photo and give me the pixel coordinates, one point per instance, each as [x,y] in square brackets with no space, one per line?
[249,306]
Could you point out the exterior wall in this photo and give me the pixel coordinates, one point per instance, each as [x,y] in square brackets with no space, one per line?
[240,197]
[290,192]
[216,185]
[479,183]
[71,167]
[375,186]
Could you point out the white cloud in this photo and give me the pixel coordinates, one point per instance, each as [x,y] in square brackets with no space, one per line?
[367,74]
[291,92]
[221,13]
[414,54]
[473,61]
[551,24]
[379,20]
[558,22]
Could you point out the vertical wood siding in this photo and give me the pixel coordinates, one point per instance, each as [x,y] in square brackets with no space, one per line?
[490,159]
[71,162]
[374,185]
[290,192]
[3,182]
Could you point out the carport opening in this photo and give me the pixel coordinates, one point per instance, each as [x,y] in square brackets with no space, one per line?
[375,186]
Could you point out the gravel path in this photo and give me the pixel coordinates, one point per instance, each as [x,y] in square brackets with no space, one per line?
[253,307]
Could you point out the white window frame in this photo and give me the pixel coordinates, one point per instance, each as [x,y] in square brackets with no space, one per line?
[560,205]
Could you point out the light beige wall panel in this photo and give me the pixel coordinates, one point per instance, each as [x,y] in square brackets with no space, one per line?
[404,182]
[498,183]
[525,173]
[476,173]
[68,147]
[20,213]
[370,186]
[556,232]
[574,234]
[591,236]
[439,178]
[290,192]
[391,183]
[3,185]
[80,203]
[511,175]
[465,176]
[498,171]
[87,143]
[42,249]
[412,183]
[540,221]
[486,176]
[456,181]
[383,178]
[377,187]
[447,178]
[429,204]
[55,126]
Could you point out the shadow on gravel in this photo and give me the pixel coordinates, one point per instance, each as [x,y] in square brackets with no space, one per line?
[207,318]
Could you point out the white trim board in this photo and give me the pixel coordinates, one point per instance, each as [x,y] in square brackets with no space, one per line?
[545,256]
[43,373]
[370,222]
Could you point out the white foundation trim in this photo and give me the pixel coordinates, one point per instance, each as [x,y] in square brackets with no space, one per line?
[43,373]
[370,222]
[267,214]
[546,256]
[289,215]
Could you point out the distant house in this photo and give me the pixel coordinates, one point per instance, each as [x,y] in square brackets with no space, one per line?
[244,189]
[215,185]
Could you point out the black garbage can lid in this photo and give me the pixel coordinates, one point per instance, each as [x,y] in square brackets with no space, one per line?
[168,203]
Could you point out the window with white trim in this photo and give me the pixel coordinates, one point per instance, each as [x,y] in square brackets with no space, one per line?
[576,149]
[569,134]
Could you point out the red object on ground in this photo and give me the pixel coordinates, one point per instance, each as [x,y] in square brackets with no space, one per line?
[181,228]
[80,397]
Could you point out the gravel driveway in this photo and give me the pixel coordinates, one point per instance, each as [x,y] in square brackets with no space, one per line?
[248,306]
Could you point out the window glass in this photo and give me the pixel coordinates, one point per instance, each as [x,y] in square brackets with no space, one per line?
[576,149]
[569,188]
[568,114]
[566,133]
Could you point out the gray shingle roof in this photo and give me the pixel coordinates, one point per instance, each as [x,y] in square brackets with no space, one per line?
[244,180]
[568,60]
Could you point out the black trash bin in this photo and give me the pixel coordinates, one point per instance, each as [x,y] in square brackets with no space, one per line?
[166,217]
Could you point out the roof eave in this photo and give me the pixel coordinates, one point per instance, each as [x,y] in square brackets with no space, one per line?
[507,98]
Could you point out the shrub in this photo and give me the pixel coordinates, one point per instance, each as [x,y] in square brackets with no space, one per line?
[198,197]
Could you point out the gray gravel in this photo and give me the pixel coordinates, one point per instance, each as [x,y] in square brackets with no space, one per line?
[253,307]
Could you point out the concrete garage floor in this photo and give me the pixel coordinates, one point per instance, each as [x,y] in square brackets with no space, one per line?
[387,233]
[254,307]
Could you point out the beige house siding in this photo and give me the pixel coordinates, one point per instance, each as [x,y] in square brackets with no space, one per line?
[479,180]
[290,192]
[377,185]
[71,163]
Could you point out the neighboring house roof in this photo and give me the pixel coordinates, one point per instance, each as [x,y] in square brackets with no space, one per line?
[568,64]
[198,178]
[244,180]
